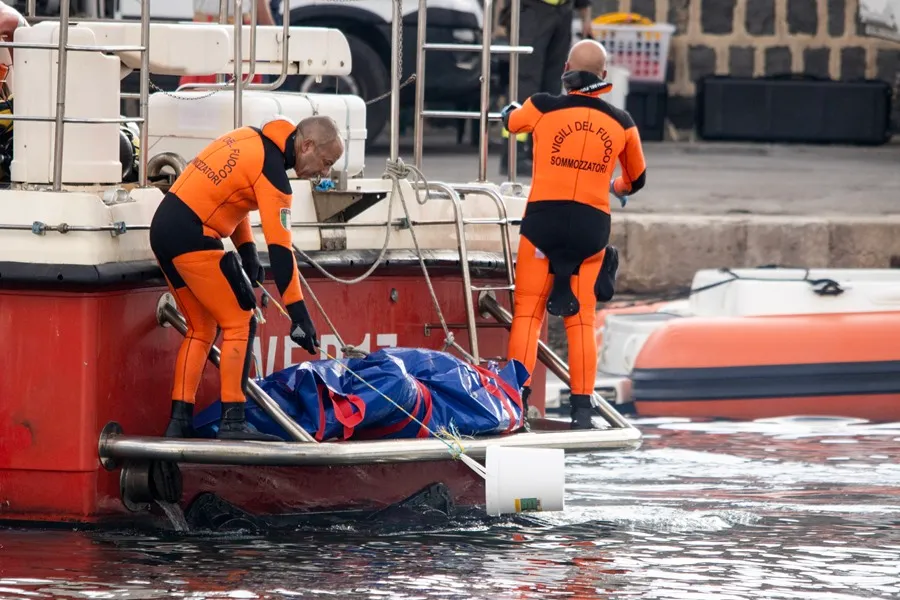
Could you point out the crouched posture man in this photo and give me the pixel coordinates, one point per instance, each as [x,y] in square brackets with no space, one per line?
[243,170]
[564,263]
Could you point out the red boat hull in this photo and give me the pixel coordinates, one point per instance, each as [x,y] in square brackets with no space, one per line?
[75,359]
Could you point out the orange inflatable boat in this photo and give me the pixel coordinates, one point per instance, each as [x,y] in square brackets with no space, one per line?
[767,366]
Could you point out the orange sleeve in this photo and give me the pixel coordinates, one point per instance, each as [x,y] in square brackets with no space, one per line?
[273,196]
[524,118]
[634,167]
[243,233]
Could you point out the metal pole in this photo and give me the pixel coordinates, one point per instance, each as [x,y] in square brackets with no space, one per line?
[254,86]
[462,248]
[29,8]
[489,304]
[505,243]
[238,59]
[486,32]
[515,11]
[145,92]
[253,17]
[286,35]
[114,445]
[420,85]
[169,314]
[223,19]
[61,94]
[396,32]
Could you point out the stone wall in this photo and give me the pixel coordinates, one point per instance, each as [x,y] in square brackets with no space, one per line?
[763,37]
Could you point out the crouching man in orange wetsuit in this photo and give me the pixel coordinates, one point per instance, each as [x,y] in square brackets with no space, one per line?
[241,171]
[564,263]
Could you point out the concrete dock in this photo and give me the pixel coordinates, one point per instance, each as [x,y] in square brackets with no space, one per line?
[711,205]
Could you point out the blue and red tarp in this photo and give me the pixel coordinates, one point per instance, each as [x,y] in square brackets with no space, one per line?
[440,390]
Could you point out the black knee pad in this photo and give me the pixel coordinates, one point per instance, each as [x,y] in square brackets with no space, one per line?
[605,287]
[237,279]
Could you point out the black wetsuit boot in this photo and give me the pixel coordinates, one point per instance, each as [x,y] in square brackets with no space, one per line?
[234,425]
[181,423]
[581,410]
[526,392]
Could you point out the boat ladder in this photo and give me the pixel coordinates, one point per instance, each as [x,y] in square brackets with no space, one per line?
[483,114]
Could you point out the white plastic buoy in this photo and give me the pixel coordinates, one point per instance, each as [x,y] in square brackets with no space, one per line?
[524,480]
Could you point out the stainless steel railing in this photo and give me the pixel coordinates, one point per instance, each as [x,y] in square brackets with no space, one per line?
[238,84]
[483,115]
[60,119]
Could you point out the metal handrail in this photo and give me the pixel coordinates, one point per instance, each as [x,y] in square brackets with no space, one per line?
[34,46]
[60,118]
[81,120]
[266,87]
[486,48]
[505,241]
[399,224]
[553,362]
[463,264]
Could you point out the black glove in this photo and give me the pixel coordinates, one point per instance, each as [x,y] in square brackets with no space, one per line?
[303,332]
[507,110]
[250,262]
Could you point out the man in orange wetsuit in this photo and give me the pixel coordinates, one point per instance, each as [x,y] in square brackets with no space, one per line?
[564,263]
[242,171]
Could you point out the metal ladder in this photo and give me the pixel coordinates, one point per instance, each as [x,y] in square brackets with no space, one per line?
[487,50]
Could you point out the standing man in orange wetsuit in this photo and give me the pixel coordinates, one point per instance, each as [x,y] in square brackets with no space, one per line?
[241,171]
[564,263]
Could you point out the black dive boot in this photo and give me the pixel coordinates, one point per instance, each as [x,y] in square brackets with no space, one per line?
[582,410]
[181,423]
[526,392]
[234,425]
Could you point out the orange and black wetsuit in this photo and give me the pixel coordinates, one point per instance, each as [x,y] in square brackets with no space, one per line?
[565,231]
[243,170]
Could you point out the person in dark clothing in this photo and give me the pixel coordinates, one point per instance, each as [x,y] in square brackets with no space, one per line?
[546,26]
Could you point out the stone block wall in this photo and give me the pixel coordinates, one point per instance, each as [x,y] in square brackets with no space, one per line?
[763,37]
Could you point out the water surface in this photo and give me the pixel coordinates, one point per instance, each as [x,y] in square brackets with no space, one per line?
[803,509]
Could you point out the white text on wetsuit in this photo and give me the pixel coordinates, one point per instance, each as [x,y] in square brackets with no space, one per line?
[578,163]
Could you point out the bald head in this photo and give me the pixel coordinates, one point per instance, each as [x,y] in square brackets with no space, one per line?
[319,128]
[588,55]
[317,146]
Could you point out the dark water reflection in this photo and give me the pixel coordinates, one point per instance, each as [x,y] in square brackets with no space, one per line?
[780,509]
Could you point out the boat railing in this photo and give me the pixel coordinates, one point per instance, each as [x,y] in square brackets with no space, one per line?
[63,48]
[483,115]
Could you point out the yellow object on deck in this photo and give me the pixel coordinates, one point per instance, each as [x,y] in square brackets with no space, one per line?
[520,137]
[621,18]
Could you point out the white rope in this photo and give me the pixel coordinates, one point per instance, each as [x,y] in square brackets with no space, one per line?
[395,172]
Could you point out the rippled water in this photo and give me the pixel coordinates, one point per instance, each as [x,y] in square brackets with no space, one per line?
[774,509]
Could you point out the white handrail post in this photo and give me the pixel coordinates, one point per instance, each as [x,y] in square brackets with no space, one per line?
[420,85]
[145,92]
[515,10]
[396,31]
[238,60]
[486,34]
[60,94]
